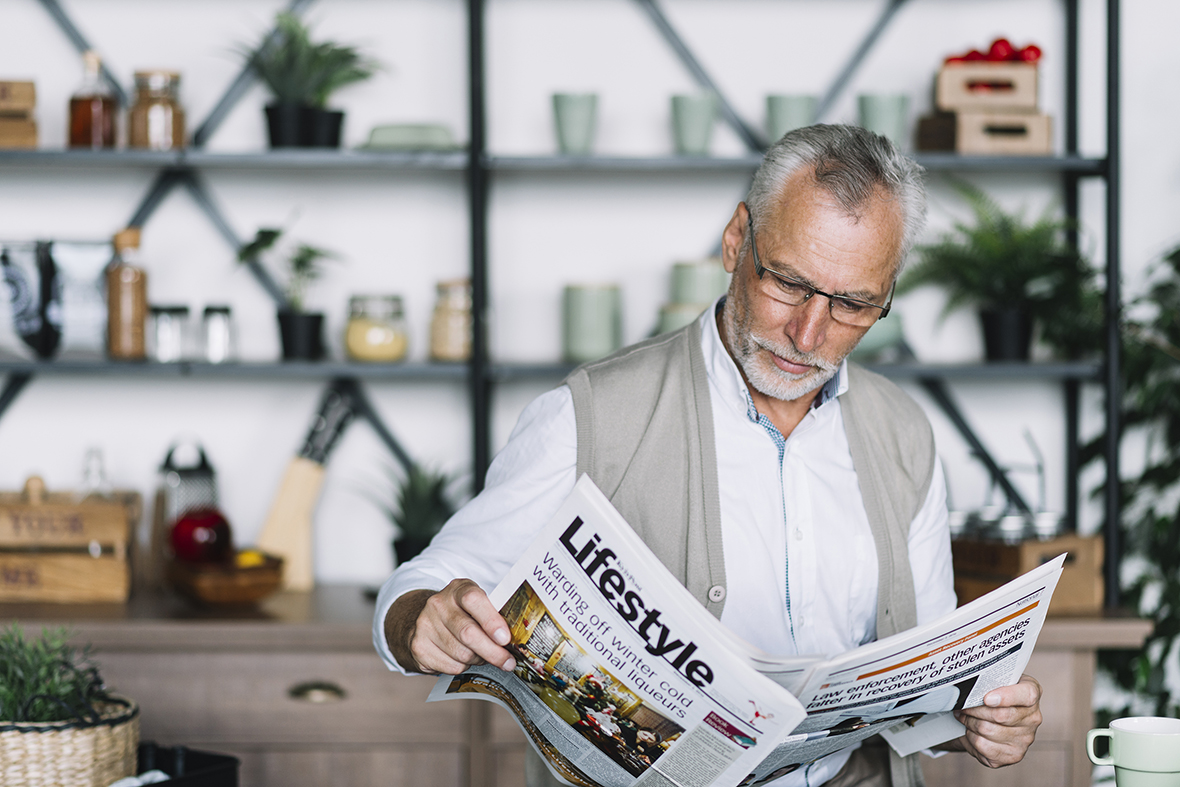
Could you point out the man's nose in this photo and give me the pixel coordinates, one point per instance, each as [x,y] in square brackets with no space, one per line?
[810,326]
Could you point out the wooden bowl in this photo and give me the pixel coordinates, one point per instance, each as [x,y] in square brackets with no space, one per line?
[224,583]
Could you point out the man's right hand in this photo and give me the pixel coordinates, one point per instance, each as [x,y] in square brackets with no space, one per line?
[447,631]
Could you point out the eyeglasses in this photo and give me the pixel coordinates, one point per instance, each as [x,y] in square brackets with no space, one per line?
[791,291]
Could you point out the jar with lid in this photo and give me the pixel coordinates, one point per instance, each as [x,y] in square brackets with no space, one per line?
[217,334]
[168,333]
[156,120]
[450,325]
[126,299]
[376,329]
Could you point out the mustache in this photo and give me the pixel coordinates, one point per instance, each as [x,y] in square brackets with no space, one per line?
[792,354]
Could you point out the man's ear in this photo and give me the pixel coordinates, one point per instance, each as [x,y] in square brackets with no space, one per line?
[733,237]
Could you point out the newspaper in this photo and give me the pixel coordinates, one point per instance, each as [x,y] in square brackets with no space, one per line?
[622,678]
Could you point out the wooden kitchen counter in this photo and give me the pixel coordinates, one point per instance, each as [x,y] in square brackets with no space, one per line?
[293,687]
[223,680]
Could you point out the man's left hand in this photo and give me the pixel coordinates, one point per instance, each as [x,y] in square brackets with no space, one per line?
[1000,730]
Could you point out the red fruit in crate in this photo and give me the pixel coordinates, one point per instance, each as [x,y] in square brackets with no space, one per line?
[954,59]
[202,536]
[1001,51]
[974,55]
[1030,54]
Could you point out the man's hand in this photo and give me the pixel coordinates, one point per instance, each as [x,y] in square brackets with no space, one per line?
[1000,731]
[447,631]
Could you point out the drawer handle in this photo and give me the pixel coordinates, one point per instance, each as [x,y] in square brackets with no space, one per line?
[317,692]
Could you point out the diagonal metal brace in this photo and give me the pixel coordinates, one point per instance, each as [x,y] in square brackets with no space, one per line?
[938,391]
[754,141]
[83,45]
[12,388]
[858,56]
[351,388]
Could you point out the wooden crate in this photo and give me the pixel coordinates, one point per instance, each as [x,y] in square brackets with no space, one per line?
[56,549]
[982,566]
[18,133]
[976,87]
[1003,134]
[19,98]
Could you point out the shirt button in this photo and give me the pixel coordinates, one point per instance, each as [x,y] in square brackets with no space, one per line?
[716,593]
[802,621]
[798,534]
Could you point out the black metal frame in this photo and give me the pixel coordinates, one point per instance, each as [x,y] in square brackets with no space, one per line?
[182,169]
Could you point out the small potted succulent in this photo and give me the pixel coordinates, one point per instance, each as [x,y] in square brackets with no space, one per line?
[423,504]
[1016,273]
[302,75]
[58,723]
[301,332]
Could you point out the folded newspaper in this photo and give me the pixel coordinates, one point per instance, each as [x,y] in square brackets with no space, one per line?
[622,678]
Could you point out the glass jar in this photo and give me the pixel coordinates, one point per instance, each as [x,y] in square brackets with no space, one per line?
[156,120]
[376,329]
[92,109]
[217,334]
[126,299]
[450,326]
[169,327]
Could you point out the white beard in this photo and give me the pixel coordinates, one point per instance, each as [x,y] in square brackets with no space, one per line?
[751,354]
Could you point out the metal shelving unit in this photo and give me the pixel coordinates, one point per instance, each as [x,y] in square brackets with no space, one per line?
[479,167]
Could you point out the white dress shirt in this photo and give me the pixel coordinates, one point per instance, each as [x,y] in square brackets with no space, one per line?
[800,560]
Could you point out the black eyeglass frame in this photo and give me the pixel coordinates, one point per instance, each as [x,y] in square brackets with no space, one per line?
[761,269]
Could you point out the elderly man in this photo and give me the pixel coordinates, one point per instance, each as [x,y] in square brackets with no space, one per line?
[796,496]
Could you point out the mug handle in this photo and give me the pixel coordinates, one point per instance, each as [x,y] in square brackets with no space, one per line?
[1092,736]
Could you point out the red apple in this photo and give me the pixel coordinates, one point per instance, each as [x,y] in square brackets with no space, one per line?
[202,536]
[1001,51]
[974,55]
[1030,54]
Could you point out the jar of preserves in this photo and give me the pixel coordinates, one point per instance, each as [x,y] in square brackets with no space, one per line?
[450,325]
[376,329]
[156,120]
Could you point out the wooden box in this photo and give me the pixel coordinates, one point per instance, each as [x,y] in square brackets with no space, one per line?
[1003,134]
[18,98]
[54,548]
[18,132]
[980,87]
[982,566]
[986,133]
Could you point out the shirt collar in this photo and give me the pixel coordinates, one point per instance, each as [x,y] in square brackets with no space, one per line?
[727,377]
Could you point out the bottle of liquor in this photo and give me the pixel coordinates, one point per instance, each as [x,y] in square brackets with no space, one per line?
[126,300]
[92,109]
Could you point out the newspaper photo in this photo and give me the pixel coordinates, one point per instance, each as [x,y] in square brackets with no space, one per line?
[623,678]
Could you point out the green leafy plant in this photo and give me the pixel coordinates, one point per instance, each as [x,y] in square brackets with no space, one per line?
[304,264]
[424,499]
[1151,501]
[46,679]
[1001,260]
[298,71]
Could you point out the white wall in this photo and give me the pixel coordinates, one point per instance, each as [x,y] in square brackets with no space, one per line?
[402,232]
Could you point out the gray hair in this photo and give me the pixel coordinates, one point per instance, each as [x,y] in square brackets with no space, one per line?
[852,165]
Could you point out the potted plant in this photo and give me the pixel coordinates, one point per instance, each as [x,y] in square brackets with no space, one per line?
[58,724]
[1018,274]
[302,75]
[423,504]
[301,332]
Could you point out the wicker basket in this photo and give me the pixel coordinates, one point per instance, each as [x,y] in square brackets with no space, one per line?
[71,753]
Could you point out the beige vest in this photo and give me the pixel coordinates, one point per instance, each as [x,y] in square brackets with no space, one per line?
[645,436]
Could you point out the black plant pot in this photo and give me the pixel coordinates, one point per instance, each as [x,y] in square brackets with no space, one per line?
[321,127]
[1007,333]
[406,549]
[284,124]
[302,336]
[301,126]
